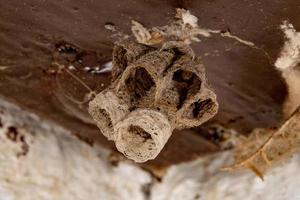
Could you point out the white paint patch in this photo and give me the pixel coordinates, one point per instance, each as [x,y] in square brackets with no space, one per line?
[107,67]
[290,54]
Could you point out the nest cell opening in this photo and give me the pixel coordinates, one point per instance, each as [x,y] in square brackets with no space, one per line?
[197,109]
[138,143]
[187,84]
[139,83]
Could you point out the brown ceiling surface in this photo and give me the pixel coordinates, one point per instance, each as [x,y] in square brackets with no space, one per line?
[35,33]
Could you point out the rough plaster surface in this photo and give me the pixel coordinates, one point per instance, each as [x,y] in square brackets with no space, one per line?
[59,166]
[204,180]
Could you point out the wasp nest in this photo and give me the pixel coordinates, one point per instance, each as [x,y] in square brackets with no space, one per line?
[153,92]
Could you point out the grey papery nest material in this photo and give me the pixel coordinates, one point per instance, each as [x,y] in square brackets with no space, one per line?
[153,92]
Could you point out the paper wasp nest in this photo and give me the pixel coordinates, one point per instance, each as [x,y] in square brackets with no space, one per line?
[153,92]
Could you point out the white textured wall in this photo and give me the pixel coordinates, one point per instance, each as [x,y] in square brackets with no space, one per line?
[61,167]
[204,180]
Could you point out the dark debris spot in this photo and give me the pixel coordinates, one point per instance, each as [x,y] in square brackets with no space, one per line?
[200,107]
[12,133]
[24,147]
[187,83]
